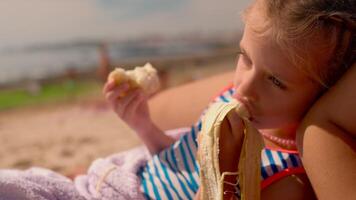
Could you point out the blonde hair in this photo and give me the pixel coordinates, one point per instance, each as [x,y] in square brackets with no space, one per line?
[317,35]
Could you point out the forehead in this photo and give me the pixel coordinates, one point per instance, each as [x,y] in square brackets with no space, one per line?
[268,56]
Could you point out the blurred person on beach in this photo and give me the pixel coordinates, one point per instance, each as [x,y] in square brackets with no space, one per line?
[292,51]
[104,62]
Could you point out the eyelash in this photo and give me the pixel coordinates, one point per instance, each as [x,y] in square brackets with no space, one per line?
[277,82]
[244,57]
[274,80]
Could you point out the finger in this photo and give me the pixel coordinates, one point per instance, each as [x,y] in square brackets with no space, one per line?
[132,106]
[122,103]
[109,85]
[117,92]
[112,96]
[236,124]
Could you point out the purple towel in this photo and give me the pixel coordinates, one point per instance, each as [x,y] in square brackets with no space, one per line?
[107,179]
[114,177]
[36,184]
[111,178]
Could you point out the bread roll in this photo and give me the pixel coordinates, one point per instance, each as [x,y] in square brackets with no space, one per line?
[144,77]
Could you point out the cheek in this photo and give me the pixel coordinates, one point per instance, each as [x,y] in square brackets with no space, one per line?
[296,107]
[281,109]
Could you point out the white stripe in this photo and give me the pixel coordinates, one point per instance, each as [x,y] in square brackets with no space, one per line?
[179,159]
[191,144]
[189,159]
[173,176]
[277,160]
[151,194]
[266,163]
[183,170]
[187,155]
[286,157]
[178,175]
[164,179]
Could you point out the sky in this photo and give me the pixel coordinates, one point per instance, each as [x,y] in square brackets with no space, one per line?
[25,22]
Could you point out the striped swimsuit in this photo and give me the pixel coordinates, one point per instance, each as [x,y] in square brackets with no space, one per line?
[174,172]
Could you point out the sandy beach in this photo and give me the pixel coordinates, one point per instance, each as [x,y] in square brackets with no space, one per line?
[67,137]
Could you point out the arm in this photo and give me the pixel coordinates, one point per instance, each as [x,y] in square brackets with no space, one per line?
[181,106]
[327,141]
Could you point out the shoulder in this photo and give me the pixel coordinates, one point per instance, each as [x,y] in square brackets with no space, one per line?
[338,105]
[294,187]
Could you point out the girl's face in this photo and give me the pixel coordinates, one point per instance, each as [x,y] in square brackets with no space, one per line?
[276,93]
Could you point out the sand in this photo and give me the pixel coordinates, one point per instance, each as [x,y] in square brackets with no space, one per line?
[67,137]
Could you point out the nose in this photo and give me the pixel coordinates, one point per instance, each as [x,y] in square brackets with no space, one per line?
[246,85]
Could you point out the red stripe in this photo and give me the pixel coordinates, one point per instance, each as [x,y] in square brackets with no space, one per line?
[226,88]
[287,172]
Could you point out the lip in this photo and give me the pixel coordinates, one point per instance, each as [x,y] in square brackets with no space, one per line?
[246,104]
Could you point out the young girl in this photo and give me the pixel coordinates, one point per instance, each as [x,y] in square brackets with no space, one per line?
[291,52]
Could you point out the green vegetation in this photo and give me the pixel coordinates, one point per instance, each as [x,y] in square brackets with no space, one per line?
[49,93]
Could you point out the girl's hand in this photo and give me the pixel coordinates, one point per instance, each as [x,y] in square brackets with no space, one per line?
[130,105]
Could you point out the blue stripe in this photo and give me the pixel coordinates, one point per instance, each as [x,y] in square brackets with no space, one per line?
[272,163]
[192,184]
[168,194]
[185,190]
[231,91]
[223,99]
[199,125]
[294,161]
[169,163]
[264,173]
[194,137]
[193,160]
[156,193]
[285,165]
[164,169]
[144,184]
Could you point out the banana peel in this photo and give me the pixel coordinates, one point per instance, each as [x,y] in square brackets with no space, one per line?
[249,171]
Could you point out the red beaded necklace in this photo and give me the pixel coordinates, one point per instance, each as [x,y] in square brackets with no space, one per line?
[280,141]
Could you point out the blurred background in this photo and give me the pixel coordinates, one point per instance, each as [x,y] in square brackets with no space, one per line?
[55,56]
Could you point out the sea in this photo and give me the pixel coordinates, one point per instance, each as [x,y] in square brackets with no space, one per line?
[36,63]
[177,28]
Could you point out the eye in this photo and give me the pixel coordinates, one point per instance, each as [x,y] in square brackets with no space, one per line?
[277,82]
[244,58]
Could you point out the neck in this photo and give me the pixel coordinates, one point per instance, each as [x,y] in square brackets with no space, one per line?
[283,137]
[285,132]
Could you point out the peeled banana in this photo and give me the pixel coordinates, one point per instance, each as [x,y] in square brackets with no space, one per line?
[249,172]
